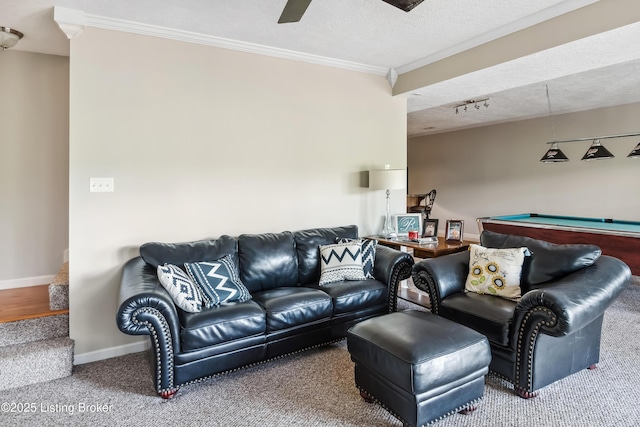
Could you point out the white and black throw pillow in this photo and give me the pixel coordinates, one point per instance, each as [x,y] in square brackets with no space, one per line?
[342,261]
[184,293]
[368,253]
[218,280]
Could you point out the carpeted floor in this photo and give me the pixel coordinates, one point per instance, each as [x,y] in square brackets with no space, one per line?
[316,388]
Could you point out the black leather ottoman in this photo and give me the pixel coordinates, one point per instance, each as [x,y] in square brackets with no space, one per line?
[419,366]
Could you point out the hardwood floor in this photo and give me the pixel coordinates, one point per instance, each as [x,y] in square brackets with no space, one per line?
[26,303]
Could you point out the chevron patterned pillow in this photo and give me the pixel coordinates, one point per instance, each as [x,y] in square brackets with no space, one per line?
[218,280]
[342,261]
[368,253]
[184,293]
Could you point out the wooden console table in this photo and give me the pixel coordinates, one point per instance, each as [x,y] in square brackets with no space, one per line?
[430,250]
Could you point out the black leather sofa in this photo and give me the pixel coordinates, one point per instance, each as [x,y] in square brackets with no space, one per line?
[554,329]
[288,311]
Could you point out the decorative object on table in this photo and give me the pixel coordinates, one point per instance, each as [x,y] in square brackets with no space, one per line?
[427,240]
[404,223]
[9,37]
[387,179]
[421,203]
[454,230]
[429,227]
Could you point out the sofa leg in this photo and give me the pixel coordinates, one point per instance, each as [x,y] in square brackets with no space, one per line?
[169,393]
[592,367]
[525,394]
[366,396]
[468,410]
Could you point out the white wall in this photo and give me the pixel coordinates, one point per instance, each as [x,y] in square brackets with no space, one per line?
[204,141]
[495,170]
[34,166]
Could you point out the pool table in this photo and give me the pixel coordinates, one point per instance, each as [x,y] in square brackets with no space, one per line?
[619,239]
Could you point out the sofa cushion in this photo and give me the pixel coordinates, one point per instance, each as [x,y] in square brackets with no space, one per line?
[218,280]
[267,260]
[368,254]
[489,316]
[221,324]
[495,271]
[293,306]
[183,291]
[307,249]
[341,261]
[357,295]
[548,261]
[156,253]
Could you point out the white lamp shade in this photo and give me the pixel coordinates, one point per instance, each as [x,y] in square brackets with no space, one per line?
[387,179]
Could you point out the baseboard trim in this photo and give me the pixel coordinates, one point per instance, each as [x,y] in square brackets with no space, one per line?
[108,353]
[26,281]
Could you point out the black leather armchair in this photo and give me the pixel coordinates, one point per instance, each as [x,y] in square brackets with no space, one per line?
[554,329]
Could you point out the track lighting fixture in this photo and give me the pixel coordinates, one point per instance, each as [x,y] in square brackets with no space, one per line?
[476,103]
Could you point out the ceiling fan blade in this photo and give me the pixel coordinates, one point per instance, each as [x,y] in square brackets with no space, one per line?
[405,5]
[293,11]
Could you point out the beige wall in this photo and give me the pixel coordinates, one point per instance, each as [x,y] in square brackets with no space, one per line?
[495,170]
[204,141]
[34,166]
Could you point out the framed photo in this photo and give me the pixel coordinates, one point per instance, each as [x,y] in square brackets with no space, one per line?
[405,223]
[429,227]
[454,230]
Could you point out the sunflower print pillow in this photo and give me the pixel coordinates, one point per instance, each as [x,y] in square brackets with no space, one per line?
[495,271]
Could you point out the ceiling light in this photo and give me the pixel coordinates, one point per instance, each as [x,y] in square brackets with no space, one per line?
[9,37]
[597,152]
[635,153]
[476,103]
[554,155]
[405,5]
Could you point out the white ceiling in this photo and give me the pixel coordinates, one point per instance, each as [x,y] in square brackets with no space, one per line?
[372,36]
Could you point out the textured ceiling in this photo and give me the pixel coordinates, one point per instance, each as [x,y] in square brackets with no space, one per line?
[596,71]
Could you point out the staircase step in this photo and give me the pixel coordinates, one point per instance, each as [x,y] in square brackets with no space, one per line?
[59,289]
[26,303]
[35,362]
[59,296]
[34,329]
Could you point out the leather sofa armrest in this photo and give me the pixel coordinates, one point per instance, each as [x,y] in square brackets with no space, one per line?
[145,307]
[441,276]
[391,266]
[571,303]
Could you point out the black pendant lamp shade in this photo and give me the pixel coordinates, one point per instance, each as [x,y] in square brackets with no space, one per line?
[635,153]
[597,152]
[554,155]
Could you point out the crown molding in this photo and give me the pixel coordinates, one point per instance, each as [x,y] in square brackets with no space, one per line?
[72,19]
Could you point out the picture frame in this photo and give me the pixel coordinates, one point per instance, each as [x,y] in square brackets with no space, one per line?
[404,223]
[454,230]
[429,227]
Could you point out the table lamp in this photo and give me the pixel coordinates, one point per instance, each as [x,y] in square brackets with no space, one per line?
[387,179]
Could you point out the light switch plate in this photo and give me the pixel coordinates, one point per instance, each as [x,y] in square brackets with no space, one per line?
[100,185]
